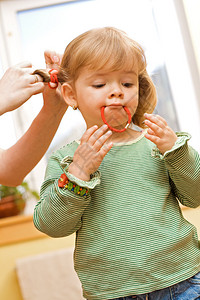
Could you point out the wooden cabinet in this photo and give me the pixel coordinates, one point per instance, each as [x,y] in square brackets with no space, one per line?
[19,238]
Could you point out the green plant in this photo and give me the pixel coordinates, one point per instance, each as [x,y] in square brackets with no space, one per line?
[13,199]
[18,190]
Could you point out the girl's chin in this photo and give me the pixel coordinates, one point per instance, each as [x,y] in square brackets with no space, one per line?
[117,119]
[117,126]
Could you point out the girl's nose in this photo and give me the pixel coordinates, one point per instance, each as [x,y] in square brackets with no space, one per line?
[116,92]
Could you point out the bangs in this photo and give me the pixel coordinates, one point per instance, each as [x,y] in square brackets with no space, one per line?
[113,50]
[112,57]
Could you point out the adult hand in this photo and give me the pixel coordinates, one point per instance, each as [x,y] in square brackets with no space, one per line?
[52,97]
[159,132]
[52,59]
[17,85]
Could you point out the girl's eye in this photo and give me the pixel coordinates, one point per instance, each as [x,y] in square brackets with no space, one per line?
[127,84]
[98,86]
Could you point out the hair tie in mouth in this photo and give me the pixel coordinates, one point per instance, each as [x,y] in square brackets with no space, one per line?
[112,128]
[53,78]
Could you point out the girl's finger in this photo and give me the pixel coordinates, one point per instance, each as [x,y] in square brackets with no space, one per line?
[88,133]
[161,119]
[156,119]
[101,141]
[105,149]
[150,131]
[97,134]
[157,130]
[152,138]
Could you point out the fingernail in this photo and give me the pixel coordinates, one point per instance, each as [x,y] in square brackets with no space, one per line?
[55,59]
[104,126]
[52,84]
[109,132]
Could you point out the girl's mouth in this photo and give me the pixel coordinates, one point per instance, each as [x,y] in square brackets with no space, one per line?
[109,126]
[115,105]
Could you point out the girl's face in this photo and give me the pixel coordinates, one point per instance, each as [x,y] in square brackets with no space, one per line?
[114,90]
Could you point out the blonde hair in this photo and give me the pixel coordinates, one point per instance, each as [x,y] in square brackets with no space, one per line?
[110,49]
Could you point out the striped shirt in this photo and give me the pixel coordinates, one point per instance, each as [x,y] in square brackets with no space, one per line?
[131,236]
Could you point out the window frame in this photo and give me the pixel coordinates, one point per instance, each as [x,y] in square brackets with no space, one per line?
[173,57]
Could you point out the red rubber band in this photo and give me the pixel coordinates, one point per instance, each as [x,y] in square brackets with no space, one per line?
[112,128]
[53,78]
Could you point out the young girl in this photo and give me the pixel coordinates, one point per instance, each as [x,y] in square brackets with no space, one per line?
[119,188]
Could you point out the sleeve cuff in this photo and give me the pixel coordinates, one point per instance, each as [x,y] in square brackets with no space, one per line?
[95,177]
[182,139]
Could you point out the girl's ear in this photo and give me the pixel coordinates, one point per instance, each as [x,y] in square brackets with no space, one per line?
[69,95]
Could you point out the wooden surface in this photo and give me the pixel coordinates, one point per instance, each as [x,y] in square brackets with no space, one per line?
[18,229]
[19,238]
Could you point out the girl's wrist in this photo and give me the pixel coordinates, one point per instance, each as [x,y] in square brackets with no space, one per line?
[168,147]
[78,172]
[64,182]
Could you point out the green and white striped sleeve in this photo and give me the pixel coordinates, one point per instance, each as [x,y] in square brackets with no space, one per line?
[59,211]
[183,164]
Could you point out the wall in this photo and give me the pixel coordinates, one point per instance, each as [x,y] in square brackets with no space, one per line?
[192,10]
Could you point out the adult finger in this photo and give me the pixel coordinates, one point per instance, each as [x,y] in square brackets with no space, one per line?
[24,64]
[52,59]
[48,54]
[36,88]
[35,78]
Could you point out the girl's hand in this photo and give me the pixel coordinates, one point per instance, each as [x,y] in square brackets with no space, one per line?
[90,153]
[159,132]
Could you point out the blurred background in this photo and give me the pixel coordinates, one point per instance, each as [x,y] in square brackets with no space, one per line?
[168,30]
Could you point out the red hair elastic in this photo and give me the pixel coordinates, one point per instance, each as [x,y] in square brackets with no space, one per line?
[114,129]
[53,78]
